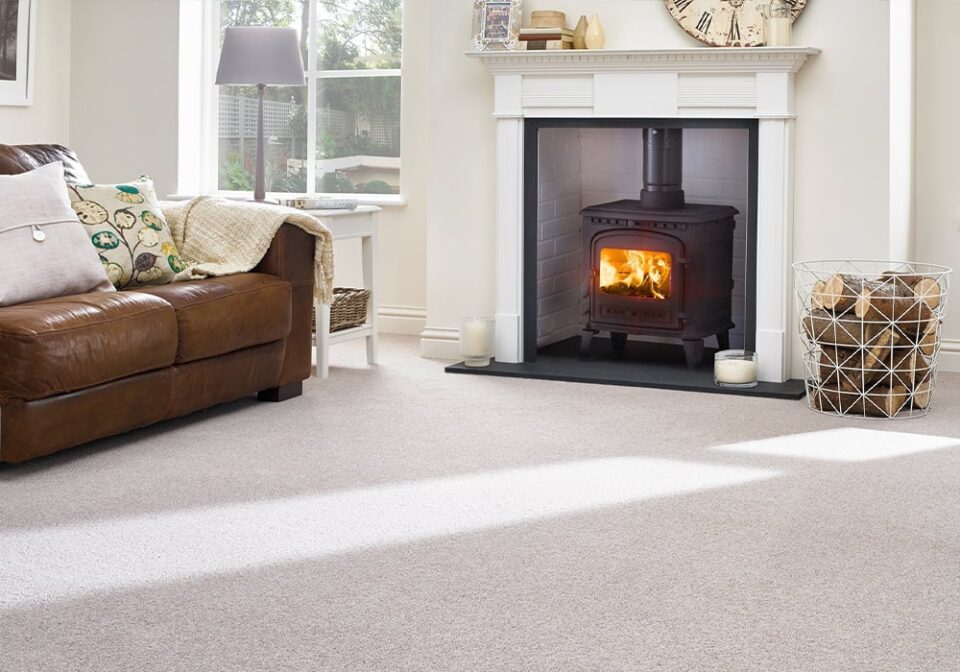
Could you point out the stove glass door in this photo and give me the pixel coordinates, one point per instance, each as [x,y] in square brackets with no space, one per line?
[644,274]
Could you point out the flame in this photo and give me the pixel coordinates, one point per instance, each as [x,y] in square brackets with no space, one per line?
[640,273]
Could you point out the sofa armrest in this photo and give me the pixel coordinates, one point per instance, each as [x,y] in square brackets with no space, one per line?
[290,258]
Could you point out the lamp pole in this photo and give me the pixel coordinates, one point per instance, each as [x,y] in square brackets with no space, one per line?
[260,189]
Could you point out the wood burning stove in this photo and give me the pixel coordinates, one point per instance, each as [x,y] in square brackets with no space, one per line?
[658,266]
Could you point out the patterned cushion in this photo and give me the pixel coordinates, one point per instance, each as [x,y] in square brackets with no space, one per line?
[126,226]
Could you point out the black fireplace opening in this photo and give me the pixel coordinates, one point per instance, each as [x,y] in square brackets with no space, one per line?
[645,282]
[658,225]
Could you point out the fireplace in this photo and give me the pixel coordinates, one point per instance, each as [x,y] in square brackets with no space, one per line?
[653,88]
[658,266]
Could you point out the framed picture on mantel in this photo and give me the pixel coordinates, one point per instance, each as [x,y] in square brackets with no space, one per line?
[496,24]
[18,36]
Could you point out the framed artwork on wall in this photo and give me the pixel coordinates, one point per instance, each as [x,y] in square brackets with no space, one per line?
[18,36]
[496,24]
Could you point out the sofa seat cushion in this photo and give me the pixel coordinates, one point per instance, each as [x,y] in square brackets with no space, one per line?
[70,343]
[220,315]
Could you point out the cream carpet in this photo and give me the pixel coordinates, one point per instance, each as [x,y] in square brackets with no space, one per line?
[400,518]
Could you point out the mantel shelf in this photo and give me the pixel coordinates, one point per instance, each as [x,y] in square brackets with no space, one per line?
[697,59]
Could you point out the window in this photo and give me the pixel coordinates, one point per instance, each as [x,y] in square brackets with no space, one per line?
[341,132]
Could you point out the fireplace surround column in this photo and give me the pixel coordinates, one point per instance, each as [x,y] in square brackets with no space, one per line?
[510,158]
[774,249]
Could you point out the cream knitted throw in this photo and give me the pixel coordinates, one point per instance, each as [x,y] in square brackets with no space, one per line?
[218,237]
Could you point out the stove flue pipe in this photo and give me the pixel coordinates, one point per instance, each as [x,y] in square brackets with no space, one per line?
[662,169]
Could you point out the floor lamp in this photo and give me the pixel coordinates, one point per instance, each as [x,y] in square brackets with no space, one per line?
[262,56]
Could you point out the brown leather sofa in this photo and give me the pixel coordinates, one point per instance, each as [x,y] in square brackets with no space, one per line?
[78,368]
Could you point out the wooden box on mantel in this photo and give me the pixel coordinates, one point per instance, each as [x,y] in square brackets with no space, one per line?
[548,19]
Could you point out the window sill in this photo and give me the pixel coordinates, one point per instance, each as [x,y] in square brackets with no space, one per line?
[381,200]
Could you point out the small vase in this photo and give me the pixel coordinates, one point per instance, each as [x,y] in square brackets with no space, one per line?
[579,33]
[595,38]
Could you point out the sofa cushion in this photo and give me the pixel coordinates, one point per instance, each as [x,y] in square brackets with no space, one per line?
[220,315]
[126,226]
[71,343]
[44,250]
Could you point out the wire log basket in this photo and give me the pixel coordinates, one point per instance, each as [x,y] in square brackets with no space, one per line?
[349,308]
[871,333]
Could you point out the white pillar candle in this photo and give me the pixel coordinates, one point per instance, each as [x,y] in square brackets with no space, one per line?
[476,338]
[779,32]
[735,371]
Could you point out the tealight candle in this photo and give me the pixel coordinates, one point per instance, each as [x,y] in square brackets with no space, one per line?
[476,341]
[735,368]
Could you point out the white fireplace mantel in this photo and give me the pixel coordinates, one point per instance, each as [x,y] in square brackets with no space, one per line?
[699,59]
[734,83]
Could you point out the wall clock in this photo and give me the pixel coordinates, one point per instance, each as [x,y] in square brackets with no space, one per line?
[726,23]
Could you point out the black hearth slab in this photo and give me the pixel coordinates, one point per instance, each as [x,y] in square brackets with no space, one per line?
[651,365]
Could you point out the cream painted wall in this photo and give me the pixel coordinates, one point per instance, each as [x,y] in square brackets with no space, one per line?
[460,212]
[48,119]
[403,231]
[842,139]
[938,149]
[123,120]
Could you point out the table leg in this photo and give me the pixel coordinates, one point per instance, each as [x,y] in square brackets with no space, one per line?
[369,246]
[322,340]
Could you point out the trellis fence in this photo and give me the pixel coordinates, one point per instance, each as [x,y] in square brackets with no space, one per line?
[238,121]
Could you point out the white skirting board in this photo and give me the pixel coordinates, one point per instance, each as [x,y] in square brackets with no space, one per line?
[950,356]
[410,320]
[440,343]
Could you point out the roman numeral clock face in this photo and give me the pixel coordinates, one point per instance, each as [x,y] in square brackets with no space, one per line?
[725,23]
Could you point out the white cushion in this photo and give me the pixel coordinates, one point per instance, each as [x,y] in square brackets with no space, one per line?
[44,250]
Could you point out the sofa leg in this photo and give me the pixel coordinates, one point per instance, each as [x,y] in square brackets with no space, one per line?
[281,393]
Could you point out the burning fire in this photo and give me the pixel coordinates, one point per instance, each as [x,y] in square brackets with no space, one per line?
[640,273]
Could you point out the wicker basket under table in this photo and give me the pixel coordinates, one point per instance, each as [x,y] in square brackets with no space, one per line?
[349,308]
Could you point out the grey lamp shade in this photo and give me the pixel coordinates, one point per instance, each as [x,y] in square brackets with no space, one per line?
[260,55]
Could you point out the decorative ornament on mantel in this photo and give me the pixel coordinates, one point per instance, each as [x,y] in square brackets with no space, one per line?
[548,18]
[595,37]
[496,24]
[779,23]
[728,23]
[580,33]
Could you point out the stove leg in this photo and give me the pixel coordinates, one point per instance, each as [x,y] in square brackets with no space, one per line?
[585,337]
[723,339]
[619,340]
[693,350]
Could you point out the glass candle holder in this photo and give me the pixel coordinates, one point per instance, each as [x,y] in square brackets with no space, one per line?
[735,368]
[779,20]
[476,341]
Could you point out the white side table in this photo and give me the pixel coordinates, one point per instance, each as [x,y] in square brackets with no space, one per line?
[345,224]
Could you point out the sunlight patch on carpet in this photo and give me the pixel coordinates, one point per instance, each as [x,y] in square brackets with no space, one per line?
[38,566]
[844,445]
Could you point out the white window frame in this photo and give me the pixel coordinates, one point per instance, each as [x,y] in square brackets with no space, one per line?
[198,164]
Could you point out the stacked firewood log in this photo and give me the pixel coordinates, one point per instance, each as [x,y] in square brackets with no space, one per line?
[873,340]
